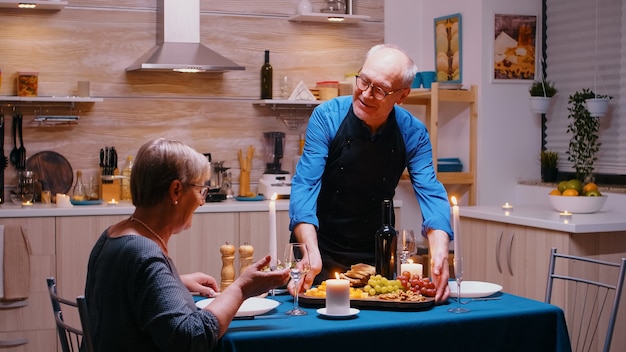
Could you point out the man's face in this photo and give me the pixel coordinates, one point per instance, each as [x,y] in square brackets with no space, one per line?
[381,72]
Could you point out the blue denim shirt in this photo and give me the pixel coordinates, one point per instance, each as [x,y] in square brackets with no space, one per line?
[324,124]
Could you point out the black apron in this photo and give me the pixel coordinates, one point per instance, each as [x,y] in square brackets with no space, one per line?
[362,169]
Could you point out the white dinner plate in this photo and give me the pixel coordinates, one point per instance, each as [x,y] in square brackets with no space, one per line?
[474,289]
[323,313]
[250,307]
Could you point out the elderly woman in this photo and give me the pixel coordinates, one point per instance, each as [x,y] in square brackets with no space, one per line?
[137,300]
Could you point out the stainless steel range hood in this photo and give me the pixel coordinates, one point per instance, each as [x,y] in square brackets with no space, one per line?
[178,42]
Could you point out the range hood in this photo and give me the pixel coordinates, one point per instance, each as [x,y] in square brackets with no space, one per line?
[178,42]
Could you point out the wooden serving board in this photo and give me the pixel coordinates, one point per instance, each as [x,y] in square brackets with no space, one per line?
[370,303]
[52,169]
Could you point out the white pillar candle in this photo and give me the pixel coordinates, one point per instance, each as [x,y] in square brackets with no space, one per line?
[337,297]
[272,218]
[63,201]
[413,268]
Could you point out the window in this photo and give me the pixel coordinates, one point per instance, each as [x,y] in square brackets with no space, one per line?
[578,57]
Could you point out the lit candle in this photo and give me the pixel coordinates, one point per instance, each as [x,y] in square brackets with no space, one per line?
[112,202]
[413,268]
[565,215]
[272,215]
[27,204]
[337,296]
[457,232]
[63,201]
[507,207]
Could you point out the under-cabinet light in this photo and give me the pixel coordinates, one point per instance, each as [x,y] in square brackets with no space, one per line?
[26,5]
[336,19]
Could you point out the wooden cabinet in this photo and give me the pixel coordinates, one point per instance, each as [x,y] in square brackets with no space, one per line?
[32,323]
[431,99]
[513,256]
[517,257]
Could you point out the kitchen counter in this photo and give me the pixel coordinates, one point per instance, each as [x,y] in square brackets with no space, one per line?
[545,217]
[126,208]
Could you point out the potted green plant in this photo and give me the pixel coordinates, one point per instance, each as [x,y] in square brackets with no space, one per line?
[598,105]
[549,165]
[584,128]
[541,92]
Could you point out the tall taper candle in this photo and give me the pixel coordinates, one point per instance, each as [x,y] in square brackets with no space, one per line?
[457,237]
[272,215]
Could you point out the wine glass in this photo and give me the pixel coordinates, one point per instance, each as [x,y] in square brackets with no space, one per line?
[297,260]
[458,273]
[406,245]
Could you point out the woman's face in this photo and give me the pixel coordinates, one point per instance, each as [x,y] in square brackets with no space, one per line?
[193,196]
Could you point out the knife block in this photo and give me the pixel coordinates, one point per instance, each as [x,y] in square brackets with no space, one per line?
[111,189]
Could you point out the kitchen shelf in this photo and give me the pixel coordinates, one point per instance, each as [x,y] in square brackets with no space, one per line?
[51,99]
[328,17]
[39,5]
[292,112]
[432,98]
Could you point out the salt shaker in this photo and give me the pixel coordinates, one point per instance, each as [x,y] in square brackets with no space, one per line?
[246,253]
[228,269]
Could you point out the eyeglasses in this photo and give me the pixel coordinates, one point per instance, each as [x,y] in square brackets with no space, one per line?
[205,189]
[378,93]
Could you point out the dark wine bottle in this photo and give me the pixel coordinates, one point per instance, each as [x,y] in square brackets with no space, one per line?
[385,247]
[266,77]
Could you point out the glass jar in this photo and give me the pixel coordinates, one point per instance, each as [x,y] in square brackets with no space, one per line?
[334,6]
[26,185]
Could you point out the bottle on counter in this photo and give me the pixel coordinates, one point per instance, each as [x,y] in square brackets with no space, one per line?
[125,192]
[385,243]
[266,77]
[79,192]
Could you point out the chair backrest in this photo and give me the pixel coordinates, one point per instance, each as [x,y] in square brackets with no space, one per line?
[72,339]
[591,294]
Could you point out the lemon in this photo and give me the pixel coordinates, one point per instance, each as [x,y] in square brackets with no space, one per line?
[590,187]
[555,192]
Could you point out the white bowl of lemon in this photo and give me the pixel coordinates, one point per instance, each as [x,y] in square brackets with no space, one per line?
[574,197]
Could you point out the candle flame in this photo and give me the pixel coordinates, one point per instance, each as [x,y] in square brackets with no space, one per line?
[453,199]
[337,276]
[410,261]
[274,196]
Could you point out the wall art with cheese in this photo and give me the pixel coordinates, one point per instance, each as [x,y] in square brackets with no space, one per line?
[448,49]
[514,48]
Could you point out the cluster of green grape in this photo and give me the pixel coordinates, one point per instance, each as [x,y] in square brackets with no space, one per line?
[378,284]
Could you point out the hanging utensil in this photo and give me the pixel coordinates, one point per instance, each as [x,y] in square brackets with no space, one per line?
[22,150]
[14,155]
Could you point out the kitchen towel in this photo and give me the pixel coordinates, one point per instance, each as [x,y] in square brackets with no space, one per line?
[16,263]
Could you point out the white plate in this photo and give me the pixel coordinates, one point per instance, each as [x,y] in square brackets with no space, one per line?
[250,307]
[353,312]
[474,289]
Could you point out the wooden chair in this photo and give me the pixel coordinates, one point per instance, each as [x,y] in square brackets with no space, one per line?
[72,339]
[592,290]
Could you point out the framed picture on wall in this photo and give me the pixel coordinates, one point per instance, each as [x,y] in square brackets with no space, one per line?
[448,49]
[514,48]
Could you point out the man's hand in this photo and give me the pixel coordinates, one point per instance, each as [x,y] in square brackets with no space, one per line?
[306,233]
[438,242]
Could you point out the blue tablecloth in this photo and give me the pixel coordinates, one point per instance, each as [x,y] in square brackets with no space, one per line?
[511,323]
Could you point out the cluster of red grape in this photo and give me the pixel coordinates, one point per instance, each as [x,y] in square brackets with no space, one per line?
[417,284]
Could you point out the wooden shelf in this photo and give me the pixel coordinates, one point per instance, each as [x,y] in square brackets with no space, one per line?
[51,99]
[293,113]
[431,98]
[39,5]
[328,18]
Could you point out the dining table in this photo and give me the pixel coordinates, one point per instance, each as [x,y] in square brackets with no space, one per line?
[504,322]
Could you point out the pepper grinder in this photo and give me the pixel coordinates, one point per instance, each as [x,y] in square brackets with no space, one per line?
[246,253]
[228,269]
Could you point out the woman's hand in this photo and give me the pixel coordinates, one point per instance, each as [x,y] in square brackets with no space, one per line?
[202,283]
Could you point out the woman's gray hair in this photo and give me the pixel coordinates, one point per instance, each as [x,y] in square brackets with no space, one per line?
[158,163]
[409,71]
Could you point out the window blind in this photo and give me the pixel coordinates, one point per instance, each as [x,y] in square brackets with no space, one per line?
[585,50]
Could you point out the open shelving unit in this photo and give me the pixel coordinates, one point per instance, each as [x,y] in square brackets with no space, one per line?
[293,113]
[431,99]
[38,102]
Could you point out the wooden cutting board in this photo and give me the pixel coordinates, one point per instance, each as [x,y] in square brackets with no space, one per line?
[53,170]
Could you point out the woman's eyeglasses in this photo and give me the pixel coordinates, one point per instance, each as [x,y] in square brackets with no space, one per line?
[204,191]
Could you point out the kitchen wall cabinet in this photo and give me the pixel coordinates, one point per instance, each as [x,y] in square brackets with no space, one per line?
[432,99]
[34,321]
[517,257]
